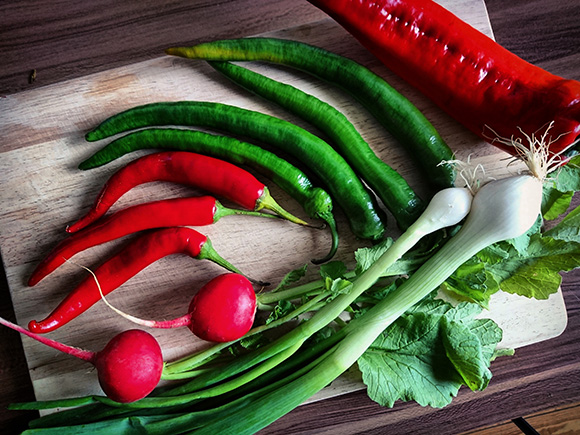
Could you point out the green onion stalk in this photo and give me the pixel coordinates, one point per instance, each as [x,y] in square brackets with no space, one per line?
[501,210]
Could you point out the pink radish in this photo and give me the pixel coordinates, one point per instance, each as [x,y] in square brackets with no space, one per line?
[222,310]
[128,368]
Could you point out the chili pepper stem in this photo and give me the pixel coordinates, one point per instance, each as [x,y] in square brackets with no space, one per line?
[209,253]
[265,202]
[268,202]
[222,211]
[329,219]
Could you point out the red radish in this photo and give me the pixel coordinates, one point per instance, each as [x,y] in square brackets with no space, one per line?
[128,368]
[222,310]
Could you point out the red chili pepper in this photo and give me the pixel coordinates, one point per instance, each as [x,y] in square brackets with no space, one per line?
[194,211]
[470,76]
[139,254]
[208,173]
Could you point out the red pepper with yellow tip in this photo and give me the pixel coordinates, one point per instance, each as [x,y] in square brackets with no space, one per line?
[485,87]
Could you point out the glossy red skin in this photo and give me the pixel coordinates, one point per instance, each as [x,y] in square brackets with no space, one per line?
[224,309]
[207,173]
[130,366]
[193,211]
[118,269]
[470,76]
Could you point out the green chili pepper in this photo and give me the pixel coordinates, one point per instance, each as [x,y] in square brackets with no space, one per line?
[387,183]
[395,112]
[358,204]
[315,200]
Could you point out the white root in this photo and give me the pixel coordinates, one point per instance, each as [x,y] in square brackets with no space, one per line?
[473,175]
[536,153]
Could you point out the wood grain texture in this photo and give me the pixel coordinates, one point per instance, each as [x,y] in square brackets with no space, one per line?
[63,40]
[564,420]
[541,376]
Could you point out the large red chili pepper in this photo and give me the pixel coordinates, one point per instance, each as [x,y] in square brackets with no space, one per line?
[487,88]
[193,211]
[139,254]
[208,173]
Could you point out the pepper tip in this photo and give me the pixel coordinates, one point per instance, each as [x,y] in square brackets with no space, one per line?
[34,326]
[176,51]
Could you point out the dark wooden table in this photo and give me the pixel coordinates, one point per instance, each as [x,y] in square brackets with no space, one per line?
[67,39]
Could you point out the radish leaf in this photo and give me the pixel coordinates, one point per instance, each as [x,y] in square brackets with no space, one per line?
[429,353]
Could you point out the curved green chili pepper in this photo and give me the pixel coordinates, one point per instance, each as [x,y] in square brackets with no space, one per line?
[315,200]
[387,183]
[395,112]
[358,204]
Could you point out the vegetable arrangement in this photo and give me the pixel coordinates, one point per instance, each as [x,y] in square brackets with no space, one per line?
[389,186]
[345,187]
[315,200]
[273,350]
[125,264]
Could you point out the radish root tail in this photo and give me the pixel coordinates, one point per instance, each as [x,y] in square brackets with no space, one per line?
[127,316]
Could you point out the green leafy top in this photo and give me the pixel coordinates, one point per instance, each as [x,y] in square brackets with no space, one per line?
[429,353]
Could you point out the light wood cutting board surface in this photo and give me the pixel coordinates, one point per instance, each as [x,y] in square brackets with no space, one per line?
[43,191]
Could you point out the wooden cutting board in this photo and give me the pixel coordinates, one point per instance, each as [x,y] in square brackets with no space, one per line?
[43,191]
